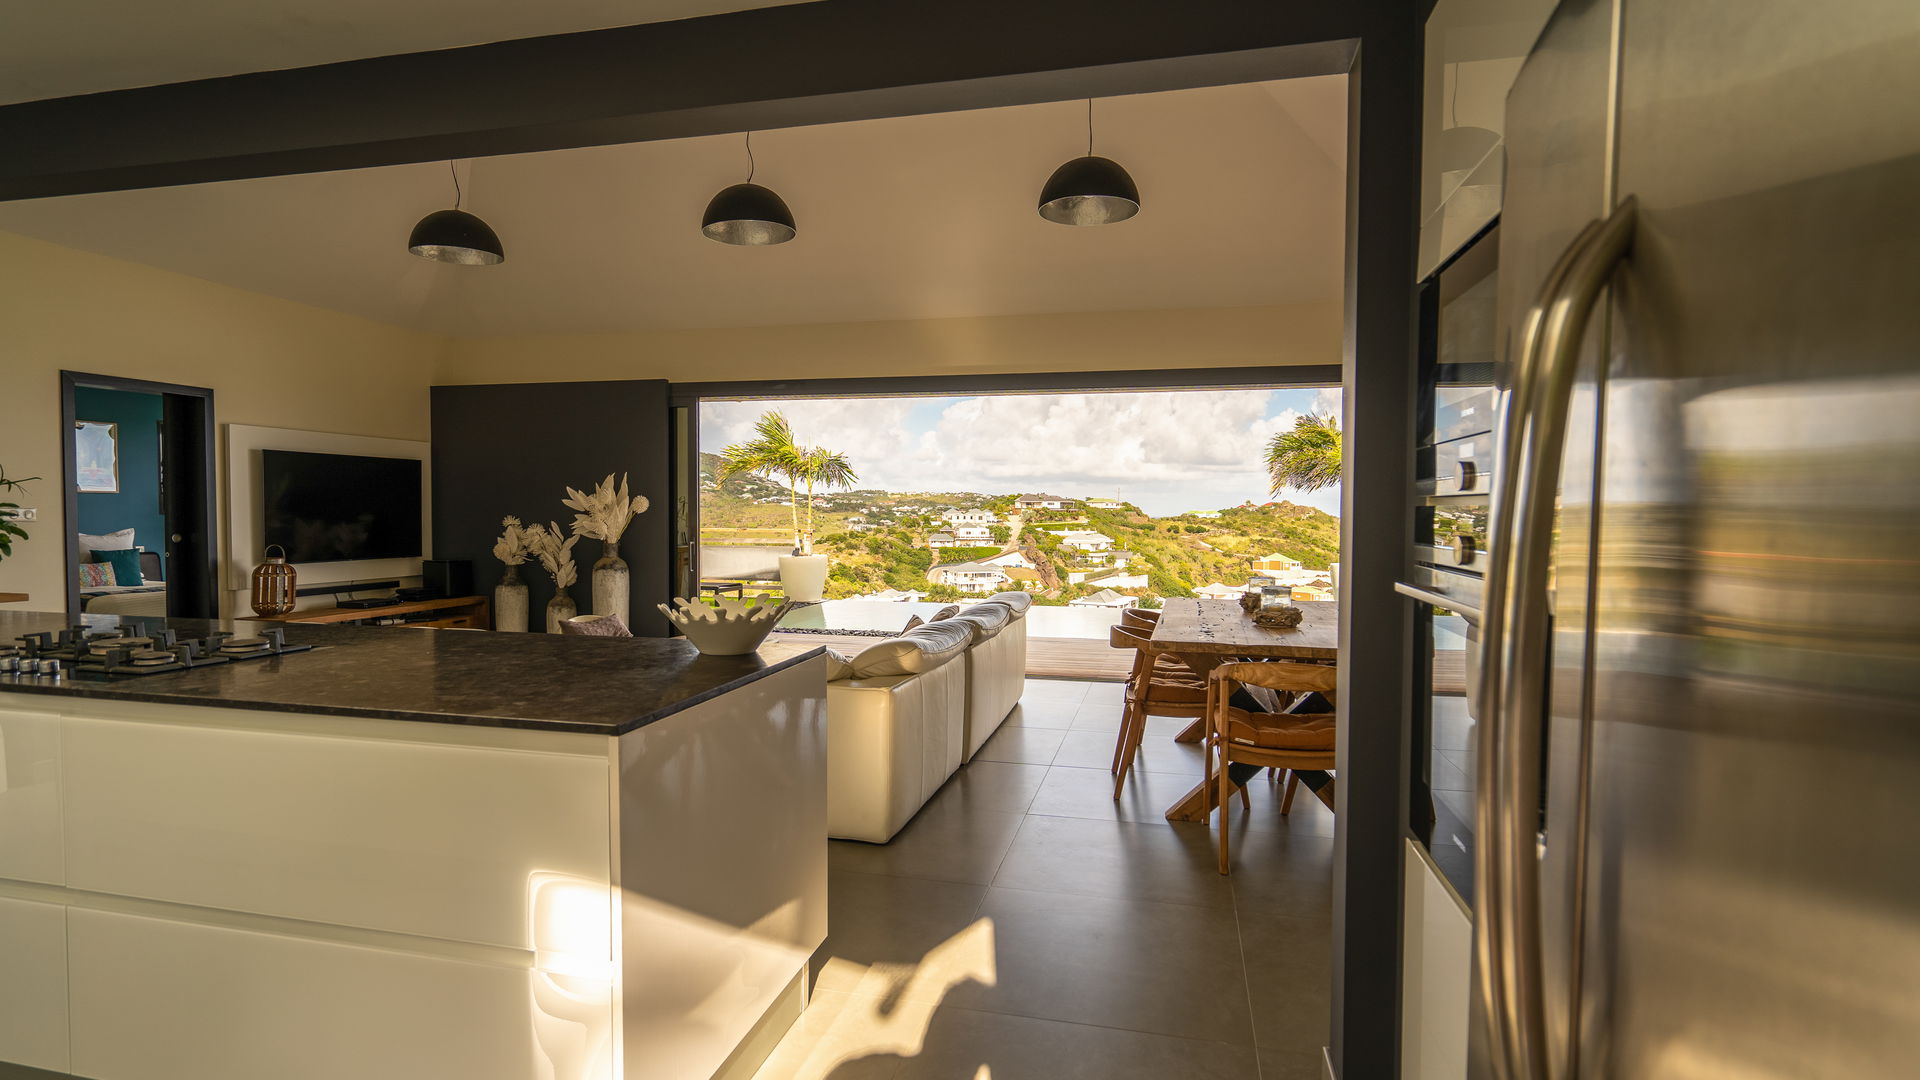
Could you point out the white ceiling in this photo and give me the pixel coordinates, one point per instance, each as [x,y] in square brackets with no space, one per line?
[56,48]
[931,216]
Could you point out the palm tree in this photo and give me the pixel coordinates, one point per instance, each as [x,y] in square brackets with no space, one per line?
[771,452]
[1306,458]
[829,469]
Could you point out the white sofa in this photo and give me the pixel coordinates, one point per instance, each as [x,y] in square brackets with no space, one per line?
[906,712]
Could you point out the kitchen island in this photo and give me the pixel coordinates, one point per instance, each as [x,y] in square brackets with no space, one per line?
[411,853]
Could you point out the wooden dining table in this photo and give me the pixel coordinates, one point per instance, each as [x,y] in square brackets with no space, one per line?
[1208,633]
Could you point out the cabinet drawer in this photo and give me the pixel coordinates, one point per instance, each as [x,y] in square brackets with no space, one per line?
[423,838]
[33,984]
[30,817]
[160,1000]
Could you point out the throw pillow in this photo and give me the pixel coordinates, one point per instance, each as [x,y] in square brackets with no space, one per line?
[96,575]
[947,612]
[113,541]
[913,622]
[595,626]
[126,565]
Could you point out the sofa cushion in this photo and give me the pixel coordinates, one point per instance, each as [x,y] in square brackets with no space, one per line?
[1017,602]
[947,612]
[839,665]
[984,620]
[921,649]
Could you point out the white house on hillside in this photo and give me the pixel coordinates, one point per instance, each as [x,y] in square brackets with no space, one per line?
[1217,591]
[1120,581]
[1105,598]
[1011,560]
[1041,502]
[971,577]
[1086,541]
[942,540]
[973,535]
[1105,504]
[970,517]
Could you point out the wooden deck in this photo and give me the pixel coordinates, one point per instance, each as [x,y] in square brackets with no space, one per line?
[1047,658]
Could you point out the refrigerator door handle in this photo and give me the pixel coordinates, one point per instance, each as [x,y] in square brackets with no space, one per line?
[1439,600]
[1507,947]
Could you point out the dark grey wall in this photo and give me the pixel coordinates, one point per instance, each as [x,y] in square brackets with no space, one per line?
[513,449]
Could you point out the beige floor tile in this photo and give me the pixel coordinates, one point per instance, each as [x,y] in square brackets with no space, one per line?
[1072,690]
[1287,1064]
[1006,787]
[1166,969]
[1025,745]
[838,1037]
[1289,972]
[962,1043]
[1088,793]
[946,843]
[883,932]
[1158,752]
[1159,861]
[1281,873]
[1043,713]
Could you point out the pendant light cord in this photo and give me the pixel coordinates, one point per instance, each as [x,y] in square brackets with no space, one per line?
[1089,127]
[457,195]
[750,163]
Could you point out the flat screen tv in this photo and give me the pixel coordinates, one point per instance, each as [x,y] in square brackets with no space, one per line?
[337,507]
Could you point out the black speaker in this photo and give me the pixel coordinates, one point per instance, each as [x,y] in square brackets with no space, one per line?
[447,577]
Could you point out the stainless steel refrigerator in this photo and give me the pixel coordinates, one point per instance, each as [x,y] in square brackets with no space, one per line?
[1698,805]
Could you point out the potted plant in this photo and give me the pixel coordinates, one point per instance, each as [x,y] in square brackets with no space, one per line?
[10,529]
[773,451]
[556,556]
[604,515]
[510,596]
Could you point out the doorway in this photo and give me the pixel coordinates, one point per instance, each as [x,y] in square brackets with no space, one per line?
[139,476]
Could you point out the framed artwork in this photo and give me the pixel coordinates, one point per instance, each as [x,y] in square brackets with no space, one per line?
[96,456]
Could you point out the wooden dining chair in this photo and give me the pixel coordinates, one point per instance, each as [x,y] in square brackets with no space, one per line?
[1271,740]
[1159,685]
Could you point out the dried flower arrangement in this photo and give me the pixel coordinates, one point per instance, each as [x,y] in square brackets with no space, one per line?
[556,555]
[605,513]
[513,546]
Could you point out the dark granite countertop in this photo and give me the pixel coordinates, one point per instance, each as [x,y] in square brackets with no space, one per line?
[543,682]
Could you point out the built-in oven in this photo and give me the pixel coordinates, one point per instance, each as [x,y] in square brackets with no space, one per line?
[1453,471]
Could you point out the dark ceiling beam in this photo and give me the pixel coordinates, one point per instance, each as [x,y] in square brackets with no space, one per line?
[822,62]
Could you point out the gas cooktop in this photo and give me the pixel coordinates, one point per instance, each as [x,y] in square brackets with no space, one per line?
[133,650]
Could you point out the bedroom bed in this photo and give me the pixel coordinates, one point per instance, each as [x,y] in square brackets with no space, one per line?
[146,599]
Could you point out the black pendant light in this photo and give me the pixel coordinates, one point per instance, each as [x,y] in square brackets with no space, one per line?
[748,214]
[1089,190]
[455,236]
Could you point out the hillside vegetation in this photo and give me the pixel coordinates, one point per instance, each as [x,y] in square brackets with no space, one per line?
[877,539]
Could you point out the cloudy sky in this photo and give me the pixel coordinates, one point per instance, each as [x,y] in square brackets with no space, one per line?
[1166,452]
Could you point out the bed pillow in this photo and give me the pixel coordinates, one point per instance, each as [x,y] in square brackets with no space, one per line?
[126,565]
[113,541]
[96,575]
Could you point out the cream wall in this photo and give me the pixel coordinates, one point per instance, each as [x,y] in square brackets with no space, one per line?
[270,362]
[1079,341]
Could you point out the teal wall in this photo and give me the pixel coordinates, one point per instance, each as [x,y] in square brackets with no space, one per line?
[137,503]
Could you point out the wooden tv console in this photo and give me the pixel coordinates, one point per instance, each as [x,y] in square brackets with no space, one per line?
[464,612]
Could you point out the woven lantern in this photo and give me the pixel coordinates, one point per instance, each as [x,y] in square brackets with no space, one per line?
[273,583]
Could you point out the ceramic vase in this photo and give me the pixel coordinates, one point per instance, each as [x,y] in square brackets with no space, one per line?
[803,577]
[611,594]
[559,610]
[510,602]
